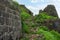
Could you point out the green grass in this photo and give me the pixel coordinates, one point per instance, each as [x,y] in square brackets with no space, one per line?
[49,35]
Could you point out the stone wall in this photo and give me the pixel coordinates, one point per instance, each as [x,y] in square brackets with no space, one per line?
[10,24]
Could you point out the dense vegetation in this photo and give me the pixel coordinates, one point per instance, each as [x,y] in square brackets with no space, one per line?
[29,24]
[34,27]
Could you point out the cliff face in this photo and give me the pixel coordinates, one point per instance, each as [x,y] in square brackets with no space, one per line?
[50,9]
[10,23]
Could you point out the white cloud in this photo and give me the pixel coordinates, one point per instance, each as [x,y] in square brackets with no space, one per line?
[34,1]
[33,9]
[36,9]
[58,11]
[41,4]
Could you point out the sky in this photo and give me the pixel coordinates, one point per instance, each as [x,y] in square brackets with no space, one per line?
[36,5]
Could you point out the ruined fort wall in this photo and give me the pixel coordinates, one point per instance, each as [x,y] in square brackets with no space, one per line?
[10,24]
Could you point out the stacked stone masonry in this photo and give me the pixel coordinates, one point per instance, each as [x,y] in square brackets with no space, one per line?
[10,24]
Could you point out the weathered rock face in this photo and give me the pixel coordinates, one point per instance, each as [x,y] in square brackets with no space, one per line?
[10,24]
[50,9]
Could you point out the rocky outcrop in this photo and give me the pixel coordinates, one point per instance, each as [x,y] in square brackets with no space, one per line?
[51,24]
[10,24]
[51,10]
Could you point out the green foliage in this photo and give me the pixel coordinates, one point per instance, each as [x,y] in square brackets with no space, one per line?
[31,24]
[43,16]
[25,15]
[49,35]
[25,28]
[56,34]
[44,28]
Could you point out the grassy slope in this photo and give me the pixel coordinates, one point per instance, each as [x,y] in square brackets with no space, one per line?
[48,35]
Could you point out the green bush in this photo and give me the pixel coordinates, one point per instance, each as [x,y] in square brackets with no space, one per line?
[56,34]
[44,28]
[49,35]
[43,16]
[25,28]
[25,15]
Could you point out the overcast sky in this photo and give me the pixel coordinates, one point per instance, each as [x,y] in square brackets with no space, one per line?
[36,5]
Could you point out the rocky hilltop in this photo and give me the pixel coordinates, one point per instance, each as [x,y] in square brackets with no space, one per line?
[51,10]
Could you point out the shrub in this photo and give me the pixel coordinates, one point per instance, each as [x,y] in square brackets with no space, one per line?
[25,28]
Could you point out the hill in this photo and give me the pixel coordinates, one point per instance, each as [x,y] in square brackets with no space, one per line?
[40,27]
